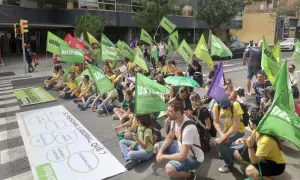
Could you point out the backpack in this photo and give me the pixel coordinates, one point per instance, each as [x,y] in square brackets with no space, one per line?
[203,135]
[244,107]
[120,95]
[156,135]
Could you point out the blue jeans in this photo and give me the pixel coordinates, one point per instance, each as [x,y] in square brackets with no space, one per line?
[190,163]
[225,150]
[138,153]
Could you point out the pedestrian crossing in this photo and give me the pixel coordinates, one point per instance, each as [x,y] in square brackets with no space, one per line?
[14,163]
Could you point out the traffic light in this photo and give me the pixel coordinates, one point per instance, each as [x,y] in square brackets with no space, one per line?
[17,30]
[24,26]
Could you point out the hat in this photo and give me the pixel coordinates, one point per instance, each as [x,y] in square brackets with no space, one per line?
[224,101]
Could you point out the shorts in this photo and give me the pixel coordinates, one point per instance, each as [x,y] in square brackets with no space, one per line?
[250,74]
[68,95]
[162,59]
[190,163]
[270,168]
[243,150]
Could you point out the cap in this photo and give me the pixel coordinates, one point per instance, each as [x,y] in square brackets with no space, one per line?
[224,101]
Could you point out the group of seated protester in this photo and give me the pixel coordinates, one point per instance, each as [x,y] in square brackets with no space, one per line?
[189,125]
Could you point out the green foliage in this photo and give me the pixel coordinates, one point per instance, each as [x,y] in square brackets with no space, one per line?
[152,11]
[218,12]
[89,23]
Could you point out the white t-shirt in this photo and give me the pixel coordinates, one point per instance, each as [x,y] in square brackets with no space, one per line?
[162,49]
[190,136]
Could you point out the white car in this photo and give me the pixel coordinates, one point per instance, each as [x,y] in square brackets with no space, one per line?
[288,44]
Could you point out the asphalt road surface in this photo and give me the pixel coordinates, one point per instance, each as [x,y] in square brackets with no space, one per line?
[14,163]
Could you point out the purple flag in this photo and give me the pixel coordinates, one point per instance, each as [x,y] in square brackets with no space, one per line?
[217,89]
[134,43]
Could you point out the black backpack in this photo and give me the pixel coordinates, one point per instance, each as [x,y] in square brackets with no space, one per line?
[120,94]
[203,135]
[245,110]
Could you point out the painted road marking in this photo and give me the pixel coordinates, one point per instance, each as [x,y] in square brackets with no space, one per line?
[12,154]
[9,109]
[13,133]
[7,91]
[7,96]
[6,88]
[4,85]
[10,101]
[7,120]
[24,176]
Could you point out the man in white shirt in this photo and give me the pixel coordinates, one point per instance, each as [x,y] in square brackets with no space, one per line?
[294,80]
[163,50]
[185,154]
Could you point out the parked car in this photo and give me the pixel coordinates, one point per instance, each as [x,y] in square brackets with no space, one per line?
[288,44]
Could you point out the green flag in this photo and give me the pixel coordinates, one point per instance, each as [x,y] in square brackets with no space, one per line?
[268,62]
[71,55]
[108,49]
[92,39]
[277,52]
[85,72]
[218,48]
[170,49]
[296,55]
[126,51]
[167,25]
[67,72]
[185,51]
[281,122]
[119,44]
[149,95]
[154,53]
[103,83]
[146,37]
[174,38]
[283,89]
[202,53]
[53,43]
[139,59]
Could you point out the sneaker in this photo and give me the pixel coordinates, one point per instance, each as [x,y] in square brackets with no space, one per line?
[115,117]
[101,111]
[129,165]
[225,169]
[192,177]
[80,106]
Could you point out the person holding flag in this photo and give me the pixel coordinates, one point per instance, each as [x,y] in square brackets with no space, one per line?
[163,50]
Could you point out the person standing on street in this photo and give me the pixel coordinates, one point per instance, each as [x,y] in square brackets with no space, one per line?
[163,50]
[294,80]
[254,63]
[28,55]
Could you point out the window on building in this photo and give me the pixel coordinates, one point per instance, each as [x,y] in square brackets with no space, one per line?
[11,2]
[136,5]
[110,5]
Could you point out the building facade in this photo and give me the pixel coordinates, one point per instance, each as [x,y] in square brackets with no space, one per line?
[259,19]
[59,17]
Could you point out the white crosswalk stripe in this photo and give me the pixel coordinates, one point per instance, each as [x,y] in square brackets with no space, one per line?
[10,152]
[24,176]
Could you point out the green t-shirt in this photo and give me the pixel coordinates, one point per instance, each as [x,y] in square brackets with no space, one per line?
[142,132]
[126,104]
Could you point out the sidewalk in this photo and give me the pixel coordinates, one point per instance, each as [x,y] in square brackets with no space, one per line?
[16,64]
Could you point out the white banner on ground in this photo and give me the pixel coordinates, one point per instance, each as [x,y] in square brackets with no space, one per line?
[60,147]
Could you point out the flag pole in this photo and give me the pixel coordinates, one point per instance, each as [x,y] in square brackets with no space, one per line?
[155,33]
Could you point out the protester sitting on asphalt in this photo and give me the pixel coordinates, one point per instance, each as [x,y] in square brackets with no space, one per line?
[127,129]
[212,73]
[229,89]
[194,66]
[239,148]
[117,77]
[268,159]
[124,110]
[84,88]
[160,79]
[254,63]
[230,114]
[141,149]
[57,73]
[240,95]
[71,87]
[170,69]
[162,68]
[267,101]
[184,97]
[294,80]
[259,87]
[76,69]
[108,104]
[199,112]
[184,156]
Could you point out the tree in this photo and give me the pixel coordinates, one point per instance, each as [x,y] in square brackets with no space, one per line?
[89,23]
[152,11]
[218,12]
[287,8]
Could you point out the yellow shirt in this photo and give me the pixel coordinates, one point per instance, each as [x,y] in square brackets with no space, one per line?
[146,132]
[85,87]
[134,122]
[268,149]
[171,69]
[226,116]
[112,78]
[73,86]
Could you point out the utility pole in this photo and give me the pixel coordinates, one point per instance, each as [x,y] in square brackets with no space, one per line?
[24,29]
